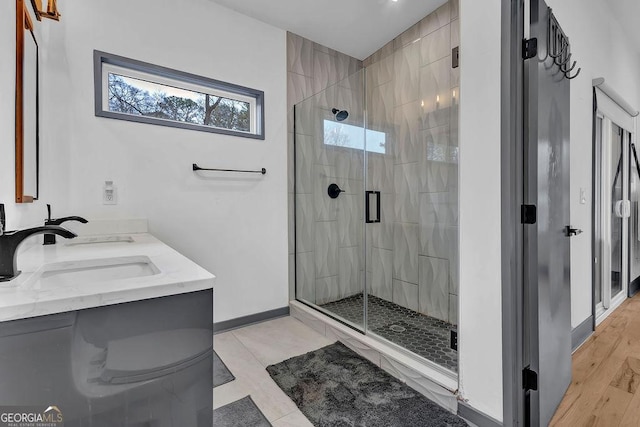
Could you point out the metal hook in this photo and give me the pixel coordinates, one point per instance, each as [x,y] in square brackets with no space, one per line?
[564,47]
[550,34]
[572,67]
[566,61]
[576,75]
[546,54]
[556,33]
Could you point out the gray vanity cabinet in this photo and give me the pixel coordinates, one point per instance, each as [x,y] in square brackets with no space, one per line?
[143,363]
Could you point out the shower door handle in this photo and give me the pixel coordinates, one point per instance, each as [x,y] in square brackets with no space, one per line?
[367,207]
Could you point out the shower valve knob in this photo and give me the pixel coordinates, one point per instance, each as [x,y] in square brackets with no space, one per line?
[334,191]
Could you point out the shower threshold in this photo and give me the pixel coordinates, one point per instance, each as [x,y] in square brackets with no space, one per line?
[422,335]
[436,382]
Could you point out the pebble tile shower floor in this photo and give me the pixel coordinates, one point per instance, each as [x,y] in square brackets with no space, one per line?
[423,335]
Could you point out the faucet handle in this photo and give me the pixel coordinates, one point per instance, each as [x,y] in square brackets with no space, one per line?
[48,212]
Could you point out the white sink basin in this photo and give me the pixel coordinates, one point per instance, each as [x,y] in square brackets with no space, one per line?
[72,273]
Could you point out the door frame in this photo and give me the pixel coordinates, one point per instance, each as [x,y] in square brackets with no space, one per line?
[512,188]
[513,33]
[607,102]
[601,226]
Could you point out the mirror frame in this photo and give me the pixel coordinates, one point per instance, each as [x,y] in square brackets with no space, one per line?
[51,11]
[23,24]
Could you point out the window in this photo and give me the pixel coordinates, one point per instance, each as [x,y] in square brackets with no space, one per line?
[349,136]
[127,89]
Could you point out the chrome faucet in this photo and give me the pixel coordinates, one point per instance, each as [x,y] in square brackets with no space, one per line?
[11,240]
[50,239]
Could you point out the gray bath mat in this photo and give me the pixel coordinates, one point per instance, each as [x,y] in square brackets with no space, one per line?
[221,374]
[241,413]
[334,386]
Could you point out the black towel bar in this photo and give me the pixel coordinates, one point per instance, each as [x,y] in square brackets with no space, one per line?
[198,168]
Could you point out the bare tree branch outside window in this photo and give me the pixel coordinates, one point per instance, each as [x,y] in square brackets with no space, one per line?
[132,96]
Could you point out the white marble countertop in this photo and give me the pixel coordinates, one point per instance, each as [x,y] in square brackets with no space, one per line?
[19,299]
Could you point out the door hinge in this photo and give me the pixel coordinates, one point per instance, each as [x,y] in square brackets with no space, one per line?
[454,340]
[529,48]
[529,379]
[528,214]
[455,57]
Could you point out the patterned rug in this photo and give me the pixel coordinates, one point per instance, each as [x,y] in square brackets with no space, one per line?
[334,386]
[221,374]
[241,413]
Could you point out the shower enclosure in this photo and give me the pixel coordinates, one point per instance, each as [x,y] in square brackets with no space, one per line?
[376,199]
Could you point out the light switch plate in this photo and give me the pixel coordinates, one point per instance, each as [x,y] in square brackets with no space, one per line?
[583,196]
[109,194]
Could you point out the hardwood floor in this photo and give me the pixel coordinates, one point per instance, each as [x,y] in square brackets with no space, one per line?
[605,390]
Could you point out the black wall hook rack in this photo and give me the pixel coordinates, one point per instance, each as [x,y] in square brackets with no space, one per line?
[559,48]
[198,168]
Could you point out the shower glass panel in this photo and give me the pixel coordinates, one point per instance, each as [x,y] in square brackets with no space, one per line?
[617,166]
[412,251]
[597,279]
[613,145]
[376,197]
[329,170]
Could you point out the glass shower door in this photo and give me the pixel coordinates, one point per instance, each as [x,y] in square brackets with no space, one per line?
[412,187]
[329,202]
[616,201]
[376,197]
[614,146]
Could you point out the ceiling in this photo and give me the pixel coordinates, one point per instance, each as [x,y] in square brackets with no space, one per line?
[355,27]
[627,13]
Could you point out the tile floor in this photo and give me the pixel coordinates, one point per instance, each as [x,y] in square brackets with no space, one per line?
[249,350]
[423,335]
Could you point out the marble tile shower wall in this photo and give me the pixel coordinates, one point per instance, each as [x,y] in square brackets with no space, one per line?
[329,251]
[412,96]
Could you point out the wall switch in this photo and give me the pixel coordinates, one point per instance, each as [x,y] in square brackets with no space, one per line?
[583,196]
[109,194]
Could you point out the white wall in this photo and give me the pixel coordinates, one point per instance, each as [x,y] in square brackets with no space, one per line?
[602,50]
[480,333]
[233,225]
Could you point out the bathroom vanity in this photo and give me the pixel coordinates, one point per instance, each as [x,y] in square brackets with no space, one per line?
[113,330]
